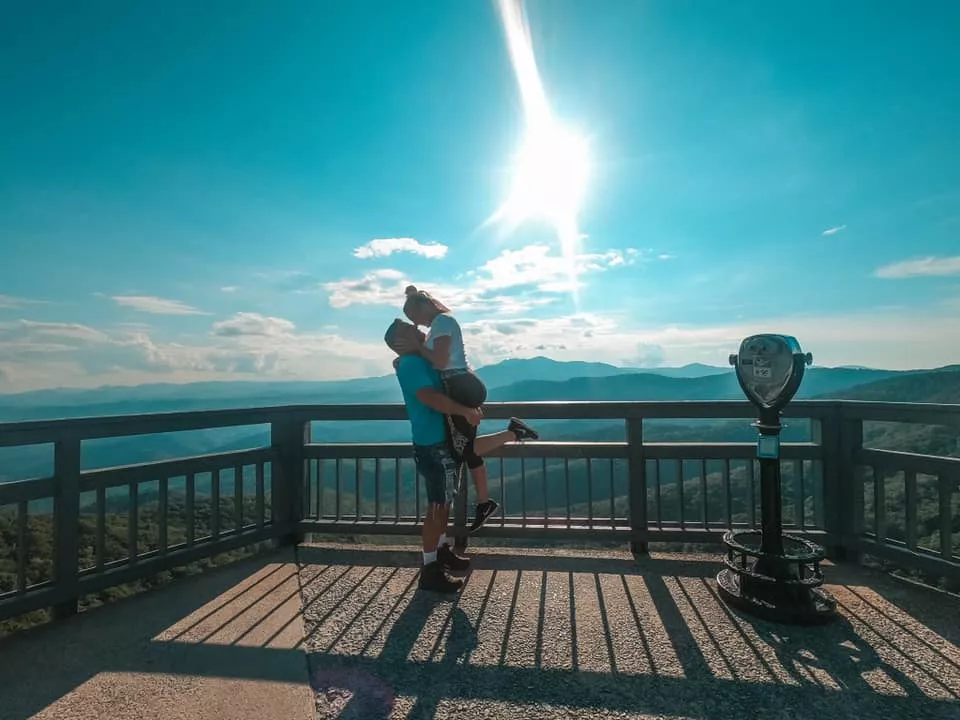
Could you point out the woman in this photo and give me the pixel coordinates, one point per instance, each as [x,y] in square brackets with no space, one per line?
[444,349]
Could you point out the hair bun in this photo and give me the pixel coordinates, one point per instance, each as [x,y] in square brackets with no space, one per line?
[411,290]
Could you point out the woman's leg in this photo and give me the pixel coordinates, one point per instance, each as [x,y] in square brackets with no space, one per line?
[486,444]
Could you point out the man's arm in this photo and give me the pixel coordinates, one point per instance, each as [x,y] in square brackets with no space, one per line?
[436,400]
[414,376]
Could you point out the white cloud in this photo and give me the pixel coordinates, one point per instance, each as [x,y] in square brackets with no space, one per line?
[229,288]
[252,324]
[893,339]
[921,267]
[513,282]
[384,247]
[247,346]
[156,305]
[9,302]
[834,230]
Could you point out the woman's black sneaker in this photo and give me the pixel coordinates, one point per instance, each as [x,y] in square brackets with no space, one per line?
[484,512]
[450,560]
[434,578]
[522,430]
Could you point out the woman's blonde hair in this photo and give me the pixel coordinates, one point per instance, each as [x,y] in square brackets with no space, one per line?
[417,298]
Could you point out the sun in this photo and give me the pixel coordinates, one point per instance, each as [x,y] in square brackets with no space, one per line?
[550,176]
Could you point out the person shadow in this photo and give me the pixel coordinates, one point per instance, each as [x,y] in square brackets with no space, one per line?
[366,691]
[837,653]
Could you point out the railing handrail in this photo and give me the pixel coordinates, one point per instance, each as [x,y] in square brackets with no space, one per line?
[34,432]
[834,452]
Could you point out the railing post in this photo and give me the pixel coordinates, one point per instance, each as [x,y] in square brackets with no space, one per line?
[844,441]
[637,473]
[460,509]
[66,518]
[288,438]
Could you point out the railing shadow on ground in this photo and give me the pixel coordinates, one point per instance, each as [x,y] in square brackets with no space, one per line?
[169,630]
[598,635]
[727,665]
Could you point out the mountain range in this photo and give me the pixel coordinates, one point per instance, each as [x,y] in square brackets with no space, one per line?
[535,379]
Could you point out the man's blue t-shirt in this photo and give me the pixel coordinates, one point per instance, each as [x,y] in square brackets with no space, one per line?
[414,373]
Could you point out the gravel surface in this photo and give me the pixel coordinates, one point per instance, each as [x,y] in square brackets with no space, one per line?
[331,631]
[563,634]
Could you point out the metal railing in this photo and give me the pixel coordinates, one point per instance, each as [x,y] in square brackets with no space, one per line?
[633,490]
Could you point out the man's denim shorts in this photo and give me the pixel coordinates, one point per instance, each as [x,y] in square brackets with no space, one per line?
[441,473]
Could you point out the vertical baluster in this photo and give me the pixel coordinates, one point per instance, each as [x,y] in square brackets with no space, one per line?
[238,497]
[798,494]
[658,495]
[133,512]
[162,512]
[358,475]
[260,503]
[215,505]
[727,496]
[191,520]
[100,543]
[396,497]
[613,493]
[704,515]
[816,491]
[376,491]
[503,498]
[879,505]
[307,490]
[320,489]
[752,492]
[910,502]
[566,488]
[546,499]
[680,492]
[416,490]
[22,510]
[337,486]
[523,491]
[946,482]
[590,493]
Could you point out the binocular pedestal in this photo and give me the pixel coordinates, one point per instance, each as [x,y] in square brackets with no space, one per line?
[767,573]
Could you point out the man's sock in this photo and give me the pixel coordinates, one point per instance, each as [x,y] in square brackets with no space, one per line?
[429,557]
[442,541]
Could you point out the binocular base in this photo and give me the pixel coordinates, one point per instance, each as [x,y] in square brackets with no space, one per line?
[784,588]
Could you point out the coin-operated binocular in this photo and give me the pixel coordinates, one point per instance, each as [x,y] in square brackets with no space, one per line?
[770,370]
[766,572]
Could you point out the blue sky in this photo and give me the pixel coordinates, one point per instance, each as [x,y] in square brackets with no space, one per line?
[186,192]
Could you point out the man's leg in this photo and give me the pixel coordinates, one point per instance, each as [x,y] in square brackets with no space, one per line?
[434,465]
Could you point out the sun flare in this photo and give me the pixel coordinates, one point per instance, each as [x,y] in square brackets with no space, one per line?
[550,175]
[551,171]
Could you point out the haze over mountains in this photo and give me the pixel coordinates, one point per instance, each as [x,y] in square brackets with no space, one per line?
[534,379]
[537,379]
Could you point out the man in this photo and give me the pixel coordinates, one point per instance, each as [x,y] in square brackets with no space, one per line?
[426,407]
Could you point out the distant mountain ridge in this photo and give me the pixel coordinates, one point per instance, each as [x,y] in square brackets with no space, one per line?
[941,385]
[170,397]
[516,380]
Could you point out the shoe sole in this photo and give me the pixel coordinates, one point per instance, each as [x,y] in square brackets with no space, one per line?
[530,433]
[484,521]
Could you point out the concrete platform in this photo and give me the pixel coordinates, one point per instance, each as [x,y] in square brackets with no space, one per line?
[332,631]
[219,645]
